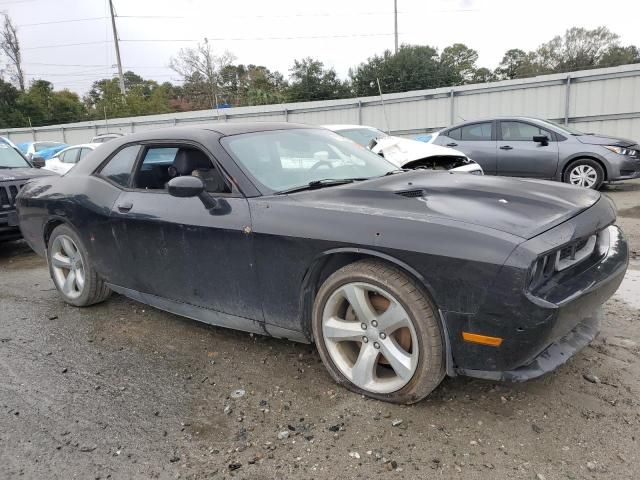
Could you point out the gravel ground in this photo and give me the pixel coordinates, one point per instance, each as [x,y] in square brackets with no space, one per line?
[121,390]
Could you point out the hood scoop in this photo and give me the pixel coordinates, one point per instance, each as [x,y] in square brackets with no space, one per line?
[416,192]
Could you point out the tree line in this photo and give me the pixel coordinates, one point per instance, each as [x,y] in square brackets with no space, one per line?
[210,81]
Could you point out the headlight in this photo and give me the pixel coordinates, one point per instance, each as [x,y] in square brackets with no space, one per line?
[621,150]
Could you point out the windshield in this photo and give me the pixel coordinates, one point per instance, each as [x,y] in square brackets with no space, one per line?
[10,158]
[284,159]
[362,136]
[44,145]
[565,128]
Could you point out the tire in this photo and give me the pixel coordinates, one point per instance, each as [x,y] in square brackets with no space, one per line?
[584,172]
[407,360]
[67,256]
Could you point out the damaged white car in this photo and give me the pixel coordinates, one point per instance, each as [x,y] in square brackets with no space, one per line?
[407,153]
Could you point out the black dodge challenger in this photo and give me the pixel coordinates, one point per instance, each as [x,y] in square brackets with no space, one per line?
[399,277]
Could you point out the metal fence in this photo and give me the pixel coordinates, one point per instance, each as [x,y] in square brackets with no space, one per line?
[604,100]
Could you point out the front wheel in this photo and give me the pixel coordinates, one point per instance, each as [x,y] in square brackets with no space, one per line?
[377,334]
[584,173]
[72,271]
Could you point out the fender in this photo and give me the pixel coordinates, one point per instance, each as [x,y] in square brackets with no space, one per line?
[594,156]
[307,292]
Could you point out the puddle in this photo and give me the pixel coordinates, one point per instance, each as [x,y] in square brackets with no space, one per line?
[633,212]
[629,290]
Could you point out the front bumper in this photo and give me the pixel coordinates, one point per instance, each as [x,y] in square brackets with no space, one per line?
[622,167]
[555,355]
[541,330]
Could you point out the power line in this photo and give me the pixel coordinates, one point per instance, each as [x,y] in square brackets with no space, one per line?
[227,39]
[65,45]
[89,65]
[55,22]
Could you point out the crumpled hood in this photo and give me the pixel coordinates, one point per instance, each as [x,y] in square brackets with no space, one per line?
[400,151]
[9,174]
[604,140]
[519,207]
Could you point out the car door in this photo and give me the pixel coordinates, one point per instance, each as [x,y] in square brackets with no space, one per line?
[68,159]
[177,249]
[476,141]
[520,156]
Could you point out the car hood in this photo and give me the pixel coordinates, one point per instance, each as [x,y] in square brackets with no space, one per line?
[604,140]
[401,151]
[520,207]
[9,174]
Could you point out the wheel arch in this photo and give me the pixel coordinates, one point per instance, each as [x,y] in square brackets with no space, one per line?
[50,225]
[330,261]
[584,156]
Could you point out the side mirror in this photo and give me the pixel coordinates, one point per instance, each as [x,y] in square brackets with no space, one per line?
[38,162]
[542,139]
[188,186]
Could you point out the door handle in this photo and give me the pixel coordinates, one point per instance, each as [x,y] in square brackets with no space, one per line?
[506,147]
[125,206]
[452,144]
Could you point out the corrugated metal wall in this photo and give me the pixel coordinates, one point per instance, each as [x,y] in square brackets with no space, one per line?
[603,101]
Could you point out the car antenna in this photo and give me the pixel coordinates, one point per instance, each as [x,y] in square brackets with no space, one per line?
[384,109]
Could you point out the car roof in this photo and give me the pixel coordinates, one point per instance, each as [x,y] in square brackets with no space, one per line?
[81,145]
[503,117]
[345,126]
[219,129]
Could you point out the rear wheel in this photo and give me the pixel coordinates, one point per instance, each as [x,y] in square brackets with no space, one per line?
[584,172]
[377,334]
[72,271]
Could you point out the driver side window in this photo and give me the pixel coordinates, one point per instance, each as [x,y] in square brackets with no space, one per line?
[162,163]
[521,132]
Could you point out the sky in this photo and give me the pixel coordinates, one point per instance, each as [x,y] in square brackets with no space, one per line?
[70,42]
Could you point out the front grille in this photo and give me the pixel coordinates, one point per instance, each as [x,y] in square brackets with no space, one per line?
[8,193]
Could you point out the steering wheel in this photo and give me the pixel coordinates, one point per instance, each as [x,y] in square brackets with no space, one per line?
[320,163]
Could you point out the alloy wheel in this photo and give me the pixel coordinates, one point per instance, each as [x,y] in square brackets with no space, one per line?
[67,266]
[370,337]
[583,176]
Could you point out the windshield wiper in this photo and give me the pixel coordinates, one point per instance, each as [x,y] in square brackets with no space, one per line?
[393,172]
[316,184]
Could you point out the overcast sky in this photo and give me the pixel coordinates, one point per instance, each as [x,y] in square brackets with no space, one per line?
[272,33]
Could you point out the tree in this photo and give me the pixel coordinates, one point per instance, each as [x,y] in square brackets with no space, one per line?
[44,106]
[143,97]
[10,45]
[512,64]
[252,85]
[200,70]
[311,81]
[414,67]
[458,64]
[10,114]
[619,56]
[482,75]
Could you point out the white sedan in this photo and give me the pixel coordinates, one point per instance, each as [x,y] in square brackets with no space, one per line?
[407,153]
[65,159]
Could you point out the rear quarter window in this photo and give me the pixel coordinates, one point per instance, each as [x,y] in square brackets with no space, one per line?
[120,167]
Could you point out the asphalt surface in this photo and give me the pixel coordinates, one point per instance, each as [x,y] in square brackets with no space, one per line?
[121,390]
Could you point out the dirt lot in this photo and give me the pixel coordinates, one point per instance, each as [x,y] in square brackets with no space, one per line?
[121,390]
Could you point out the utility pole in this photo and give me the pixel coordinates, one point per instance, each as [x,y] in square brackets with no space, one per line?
[384,109]
[395,22]
[115,41]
